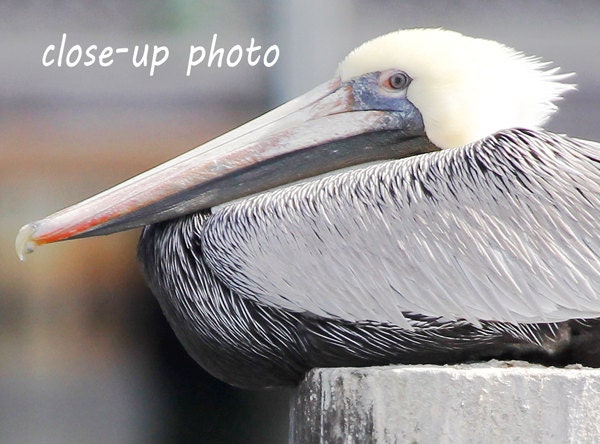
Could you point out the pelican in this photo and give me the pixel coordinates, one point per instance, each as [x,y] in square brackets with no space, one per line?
[410,210]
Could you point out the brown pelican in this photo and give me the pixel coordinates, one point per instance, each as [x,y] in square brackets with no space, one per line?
[411,210]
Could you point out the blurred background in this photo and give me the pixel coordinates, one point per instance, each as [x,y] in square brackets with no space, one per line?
[85,355]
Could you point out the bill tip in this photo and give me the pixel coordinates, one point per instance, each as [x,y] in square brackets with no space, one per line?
[24,243]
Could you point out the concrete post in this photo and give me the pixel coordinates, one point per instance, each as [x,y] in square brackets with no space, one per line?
[494,402]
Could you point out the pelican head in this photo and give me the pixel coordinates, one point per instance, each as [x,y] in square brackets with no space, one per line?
[402,94]
[465,88]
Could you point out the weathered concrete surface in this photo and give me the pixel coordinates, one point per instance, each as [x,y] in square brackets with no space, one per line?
[494,402]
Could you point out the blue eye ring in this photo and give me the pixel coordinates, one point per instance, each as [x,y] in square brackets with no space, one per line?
[398,80]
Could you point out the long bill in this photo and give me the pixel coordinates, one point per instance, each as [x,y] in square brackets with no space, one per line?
[323,130]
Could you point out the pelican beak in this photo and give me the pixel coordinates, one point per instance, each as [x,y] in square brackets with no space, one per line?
[326,129]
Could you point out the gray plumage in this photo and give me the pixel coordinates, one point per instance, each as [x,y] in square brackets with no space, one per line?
[456,255]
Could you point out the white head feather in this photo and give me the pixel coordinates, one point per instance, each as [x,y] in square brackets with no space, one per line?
[465,88]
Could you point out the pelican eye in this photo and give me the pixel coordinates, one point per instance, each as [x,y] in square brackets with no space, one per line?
[398,80]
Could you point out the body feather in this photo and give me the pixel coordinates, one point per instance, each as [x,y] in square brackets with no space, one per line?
[504,229]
